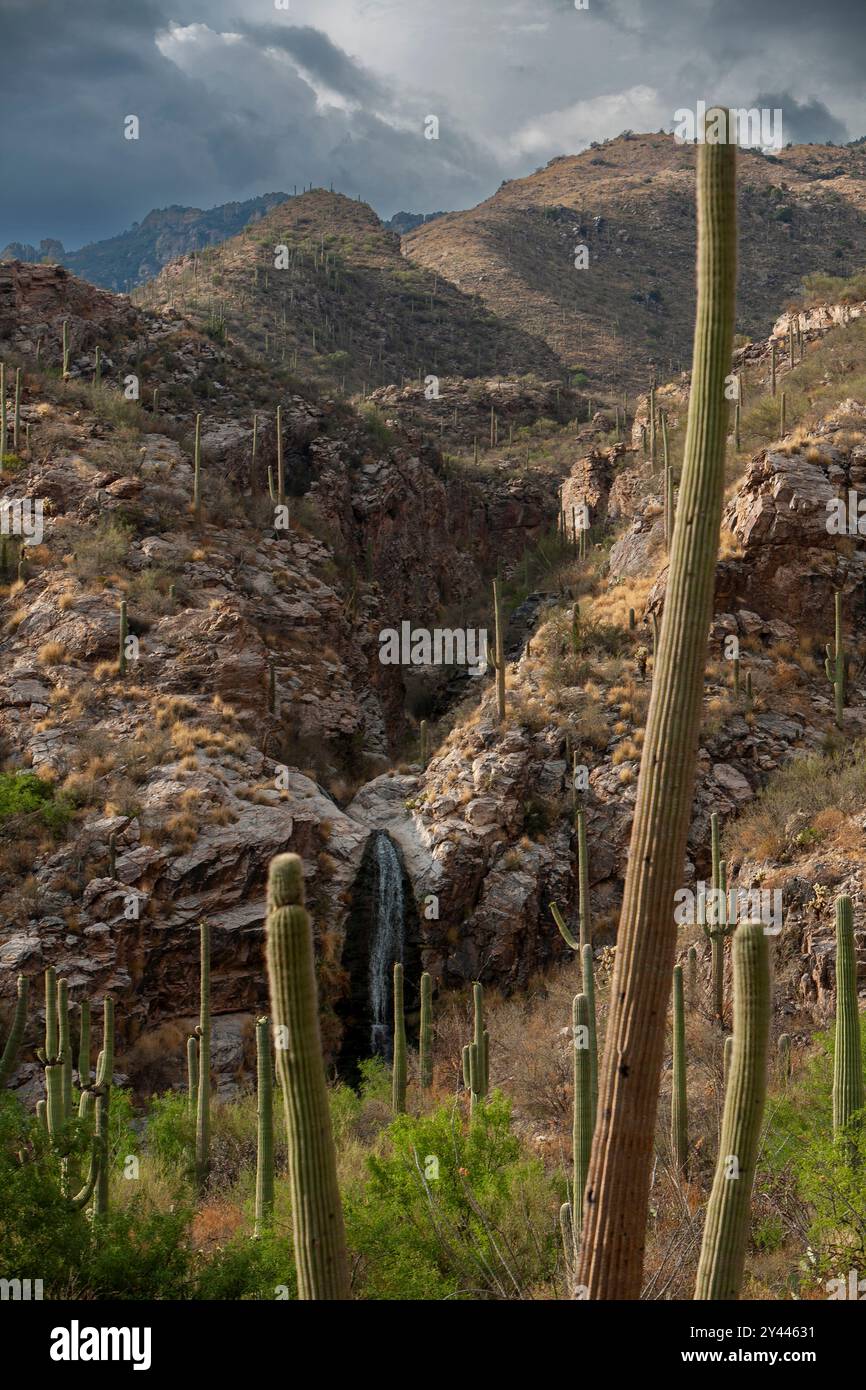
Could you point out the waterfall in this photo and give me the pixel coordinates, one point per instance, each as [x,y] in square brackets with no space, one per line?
[387,939]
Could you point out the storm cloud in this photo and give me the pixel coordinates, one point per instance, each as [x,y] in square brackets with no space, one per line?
[236,97]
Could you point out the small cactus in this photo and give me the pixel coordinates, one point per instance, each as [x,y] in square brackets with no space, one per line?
[784,1055]
[16,416]
[123,632]
[9,1059]
[104,1074]
[398,1072]
[583,1124]
[423,751]
[192,1076]
[835,663]
[425,1051]
[281,482]
[265,1127]
[3,421]
[726,1230]
[498,657]
[584,915]
[679,1099]
[196,487]
[480,1040]
[65,349]
[202,1127]
[847,1057]
[317,1217]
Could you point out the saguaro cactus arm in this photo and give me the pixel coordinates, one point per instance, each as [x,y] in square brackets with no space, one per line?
[617,1192]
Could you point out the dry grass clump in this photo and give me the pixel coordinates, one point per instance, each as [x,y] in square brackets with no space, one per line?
[807,786]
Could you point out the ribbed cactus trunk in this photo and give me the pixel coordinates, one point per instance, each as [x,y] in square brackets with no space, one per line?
[84,1045]
[589,991]
[834,664]
[583,1108]
[679,1098]
[726,1230]
[265,1127]
[611,1265]
[192,1077]
[64,1041]
[9,1059]
[196,481]
[480,1041]
[847,1058]
[104,1073]
[584,918]
[498,653]
[425,1036]
[398,1067]
[317,1215]
[202,1127]
[122,633]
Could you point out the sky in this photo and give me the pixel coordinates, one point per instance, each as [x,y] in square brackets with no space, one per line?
[240,97]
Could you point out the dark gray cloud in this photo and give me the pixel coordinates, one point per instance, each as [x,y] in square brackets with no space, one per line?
[804,122]
[236,98]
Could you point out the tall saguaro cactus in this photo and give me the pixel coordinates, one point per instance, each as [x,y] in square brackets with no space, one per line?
[584,918]
[317,1215]
[584,1118]
[679,1100]
[726,1230]
[835,663]
[196,483]
[265,1127]
[104,1074]
[617,1194]
[498,657]
[847,1059]
[202,1124]
[398,1070]
[16,1033]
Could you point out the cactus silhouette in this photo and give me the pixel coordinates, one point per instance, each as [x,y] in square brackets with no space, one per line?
[497,659]
[847,1058]
[265,1127]
[398,1073]
[835,664]
[679,1100]
[726,1230]
[611,1261]
[583,1107]
[317,1215]
[9,1059]
[202,1125]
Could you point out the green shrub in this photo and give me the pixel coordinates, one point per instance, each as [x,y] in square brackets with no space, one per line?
[453,1212]
[828,1176]
[25,794]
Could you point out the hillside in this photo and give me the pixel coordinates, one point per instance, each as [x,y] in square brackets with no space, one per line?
[631,201]
[121,262]
[346,308]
